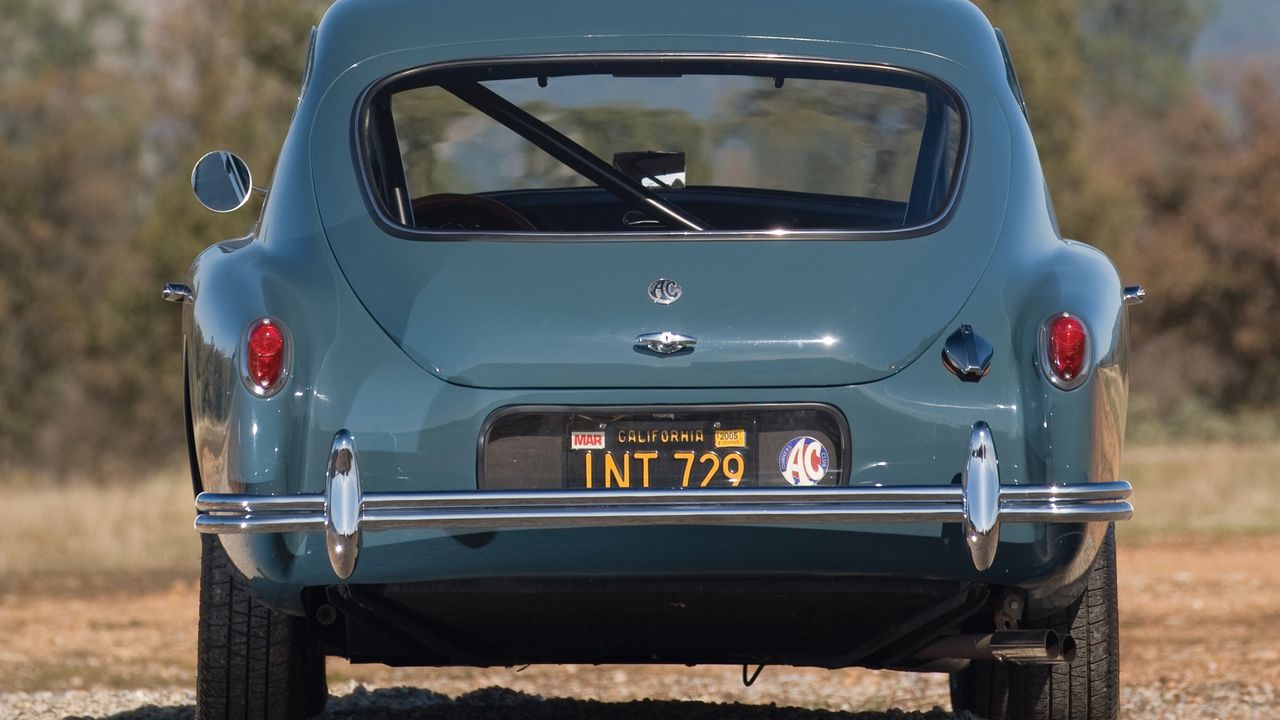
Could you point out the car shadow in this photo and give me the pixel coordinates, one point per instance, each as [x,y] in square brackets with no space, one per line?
[502,704]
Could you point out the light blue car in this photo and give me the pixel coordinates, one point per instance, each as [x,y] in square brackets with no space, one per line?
[662,332]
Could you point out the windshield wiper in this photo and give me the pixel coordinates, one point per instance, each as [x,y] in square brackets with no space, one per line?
[573,155]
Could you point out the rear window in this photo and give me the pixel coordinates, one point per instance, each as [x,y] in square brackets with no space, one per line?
[662,145]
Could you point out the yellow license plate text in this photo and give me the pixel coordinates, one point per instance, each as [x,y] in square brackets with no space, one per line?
[632,469]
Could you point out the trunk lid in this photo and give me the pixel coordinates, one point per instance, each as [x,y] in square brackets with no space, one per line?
[764,313]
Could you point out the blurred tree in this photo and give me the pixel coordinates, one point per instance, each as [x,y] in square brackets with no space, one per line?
[1086,65]
[1210,187]
[1046,45]
[1138,53]
[102,114]
[101,123]
[69,141]
[225,76]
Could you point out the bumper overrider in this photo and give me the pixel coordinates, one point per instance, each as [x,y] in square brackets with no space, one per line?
[980,504]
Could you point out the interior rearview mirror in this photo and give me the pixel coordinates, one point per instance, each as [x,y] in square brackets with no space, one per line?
[222,181]
[653,168]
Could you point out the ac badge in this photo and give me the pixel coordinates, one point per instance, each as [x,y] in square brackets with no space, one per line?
[664,291]
[804,461]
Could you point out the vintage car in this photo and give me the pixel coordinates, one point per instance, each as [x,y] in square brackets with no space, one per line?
[662,332]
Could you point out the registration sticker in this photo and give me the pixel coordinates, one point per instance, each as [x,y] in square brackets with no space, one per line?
[803,461]
[586,441]
[731,439]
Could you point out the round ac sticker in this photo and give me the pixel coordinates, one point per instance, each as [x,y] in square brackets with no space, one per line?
[803,461]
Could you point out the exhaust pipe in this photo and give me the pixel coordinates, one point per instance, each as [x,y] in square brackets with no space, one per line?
[1027,647]
[1034,647]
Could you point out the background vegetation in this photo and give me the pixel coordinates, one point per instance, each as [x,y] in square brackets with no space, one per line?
[105,105]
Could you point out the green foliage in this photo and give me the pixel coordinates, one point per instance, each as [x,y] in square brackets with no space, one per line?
[244,63]
[1046,46]
[69,147]
[812,137]
[422,117]
[1082,62]
[38,36]
[1137,53]
[273,33]
[97,137]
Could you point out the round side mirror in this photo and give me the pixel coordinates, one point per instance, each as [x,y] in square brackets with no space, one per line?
[222,182]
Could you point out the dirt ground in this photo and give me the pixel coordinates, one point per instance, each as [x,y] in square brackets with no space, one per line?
[1200,638]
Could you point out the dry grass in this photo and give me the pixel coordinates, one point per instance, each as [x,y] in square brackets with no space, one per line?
[141,527]
[1203,490]
[145,527]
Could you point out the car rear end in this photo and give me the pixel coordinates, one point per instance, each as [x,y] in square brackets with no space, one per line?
[760,370]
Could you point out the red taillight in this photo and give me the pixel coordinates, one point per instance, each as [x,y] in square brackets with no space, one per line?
[264,355]
[1067,349]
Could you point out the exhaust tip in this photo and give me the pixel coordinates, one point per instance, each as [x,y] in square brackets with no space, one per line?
[1067,649]
[1051,644]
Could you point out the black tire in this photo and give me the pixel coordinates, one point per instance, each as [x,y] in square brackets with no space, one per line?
[1086,689]
[254,663]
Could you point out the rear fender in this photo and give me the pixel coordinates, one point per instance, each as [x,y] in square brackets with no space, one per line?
[1062,436]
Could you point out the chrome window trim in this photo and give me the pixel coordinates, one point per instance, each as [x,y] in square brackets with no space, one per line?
[309,66]
[360,129]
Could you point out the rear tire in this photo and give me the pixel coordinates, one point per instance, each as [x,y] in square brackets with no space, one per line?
[1086,689]
[254,663]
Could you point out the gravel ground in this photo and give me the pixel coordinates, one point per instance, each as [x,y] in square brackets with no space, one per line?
[1198,637]
[1233,702]
[413,704]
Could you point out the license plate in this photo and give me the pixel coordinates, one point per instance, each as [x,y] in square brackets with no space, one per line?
[662,455]
[663,448]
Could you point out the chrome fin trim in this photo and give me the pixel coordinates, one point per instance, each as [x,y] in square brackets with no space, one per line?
[342,500]
[980,488]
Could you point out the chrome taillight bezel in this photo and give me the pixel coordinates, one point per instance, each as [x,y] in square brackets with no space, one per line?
[286,362]
[1046,367]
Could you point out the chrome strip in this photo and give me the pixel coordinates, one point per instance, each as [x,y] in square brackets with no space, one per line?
[1014,499]
[946,507]
[1054,493]
[980,504]
[718,496]
[251,525]
[252,504]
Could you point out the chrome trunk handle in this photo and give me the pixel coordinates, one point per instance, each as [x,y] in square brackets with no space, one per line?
[666,343]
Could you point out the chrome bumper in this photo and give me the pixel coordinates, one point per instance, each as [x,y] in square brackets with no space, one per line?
[980,504]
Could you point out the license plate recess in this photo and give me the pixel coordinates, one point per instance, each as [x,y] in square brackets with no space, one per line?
[685,448]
